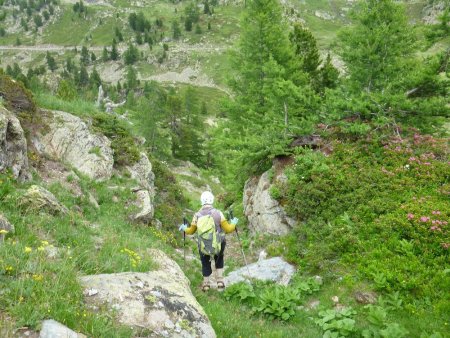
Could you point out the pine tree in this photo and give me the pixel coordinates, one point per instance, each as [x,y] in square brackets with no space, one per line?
[375,49]
[83,77]
[51,62]
[94,79]
[118,34]
[132,81]
[273,99]
[105,55]
[305,47]
[131,55]
[176,30]
[114,53]
[328,74]
[84,56]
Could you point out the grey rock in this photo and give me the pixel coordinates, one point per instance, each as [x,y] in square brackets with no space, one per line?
[53,329]
[366,297]
[145,206]
[69,139]
[140,307]
[37,198]
[6,226]
[313,304]
[93,201]
[274,269]
[13,146]
[264,214]
[142,172]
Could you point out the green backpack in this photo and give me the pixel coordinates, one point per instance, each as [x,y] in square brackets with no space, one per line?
[208,237]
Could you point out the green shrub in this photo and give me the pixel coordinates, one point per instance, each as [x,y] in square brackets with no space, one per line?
[122,142]
[385,199]
[16,97]
[278,302]
[337,323]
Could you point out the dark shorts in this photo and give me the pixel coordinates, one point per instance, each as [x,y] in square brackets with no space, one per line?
[206,261]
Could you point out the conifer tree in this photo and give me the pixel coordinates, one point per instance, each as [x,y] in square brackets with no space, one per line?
[376,49]
[114,53]
[51,62]
[105,55]
[84,56]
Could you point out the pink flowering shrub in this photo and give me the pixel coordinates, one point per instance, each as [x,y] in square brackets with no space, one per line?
[380,204]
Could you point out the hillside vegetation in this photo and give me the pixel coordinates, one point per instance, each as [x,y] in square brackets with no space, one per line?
[214,90]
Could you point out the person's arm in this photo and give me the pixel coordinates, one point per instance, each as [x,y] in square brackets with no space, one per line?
[193,228]
[227,227]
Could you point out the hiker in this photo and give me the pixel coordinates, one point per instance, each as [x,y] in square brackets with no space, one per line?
[213,244]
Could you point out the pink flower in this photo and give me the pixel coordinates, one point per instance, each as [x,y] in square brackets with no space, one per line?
[445,245]
[410,216]
[424,219]
[412,159]
[437,212]
[427,163]
[444,222]
[435,228]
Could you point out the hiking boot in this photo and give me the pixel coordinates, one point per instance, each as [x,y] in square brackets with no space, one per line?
[219,280]
[205,284]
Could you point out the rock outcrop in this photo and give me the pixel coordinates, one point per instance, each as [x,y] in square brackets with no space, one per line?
[68,139]
[53,329]
[160,301]
[273,269]
[265,215]
[13,146]
[37,198]
[142,172]
[145,206]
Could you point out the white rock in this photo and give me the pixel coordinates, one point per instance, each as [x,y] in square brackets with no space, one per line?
[142,172]
[91,292]
[145,205]
[264,214]
[139,307]
[37,198]
[53,329]
[274,269]
[70,140]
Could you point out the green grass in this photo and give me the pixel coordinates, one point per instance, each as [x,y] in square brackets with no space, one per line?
[70,29]
[77,107]
[103,34]
[215,65]
[37,287]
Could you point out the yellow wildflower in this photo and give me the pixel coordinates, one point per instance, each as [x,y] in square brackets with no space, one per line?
[38,278]
[28,249]
[3,231]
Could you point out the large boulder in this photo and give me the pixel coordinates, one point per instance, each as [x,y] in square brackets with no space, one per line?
[13,146]
[53,329]
[273,269]
[142,172]
[158,301]
[265,214]
[67,138]
[37,198]
[145,206]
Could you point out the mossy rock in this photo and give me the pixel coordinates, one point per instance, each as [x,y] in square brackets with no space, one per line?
[16,97]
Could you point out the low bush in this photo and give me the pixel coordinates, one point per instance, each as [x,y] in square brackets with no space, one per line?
[378,204]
